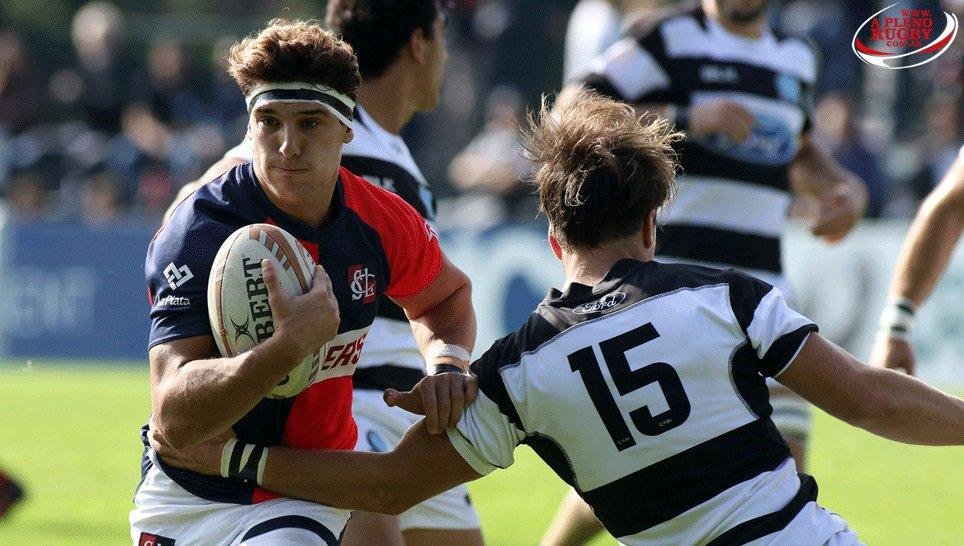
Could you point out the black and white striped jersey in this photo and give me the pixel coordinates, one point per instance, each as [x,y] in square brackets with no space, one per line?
[391,357]
[646,393]
[732,205]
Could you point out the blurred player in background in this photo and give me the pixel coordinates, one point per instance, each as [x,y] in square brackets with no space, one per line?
[640,383]
[924,257]
[300,82]
[593,26]
[401,53]
[743,94]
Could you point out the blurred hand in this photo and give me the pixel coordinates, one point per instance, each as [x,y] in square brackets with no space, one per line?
[440,398]
[893,354]
[204,457]
[838,214]
[722,116]
[308,321]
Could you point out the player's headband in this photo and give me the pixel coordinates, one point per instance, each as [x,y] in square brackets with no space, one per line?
[339,104]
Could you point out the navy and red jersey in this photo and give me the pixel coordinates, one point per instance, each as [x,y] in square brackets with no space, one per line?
[372,245]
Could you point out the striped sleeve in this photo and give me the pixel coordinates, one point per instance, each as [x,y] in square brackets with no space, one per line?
[628,72]
[776,332]
[490,428]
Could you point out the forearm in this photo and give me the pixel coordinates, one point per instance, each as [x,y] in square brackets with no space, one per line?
[908,410]
[206,397]
[881,401]
[342,479]
[450,322]
[927,251]
[814,172]
[420,467]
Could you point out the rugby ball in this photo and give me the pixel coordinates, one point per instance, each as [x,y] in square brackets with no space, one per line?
[238,298]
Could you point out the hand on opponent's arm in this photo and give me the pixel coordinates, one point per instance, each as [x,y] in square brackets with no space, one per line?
[443,322]
[195,394]
[420,467]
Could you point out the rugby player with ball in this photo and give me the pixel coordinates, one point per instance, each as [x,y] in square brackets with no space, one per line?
[217,372]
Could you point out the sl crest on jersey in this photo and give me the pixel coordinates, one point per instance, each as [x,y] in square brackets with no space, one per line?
[362,284]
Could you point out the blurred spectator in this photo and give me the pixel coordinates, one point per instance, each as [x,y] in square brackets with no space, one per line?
[100,200]
[169,86]
[836,131]
[26,198]
[97,85]
[226,101]
[133,101]
[21,89]
[493,164]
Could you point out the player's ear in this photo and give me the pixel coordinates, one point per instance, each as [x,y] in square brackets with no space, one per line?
[555,246]
[649,230]
[417,45]
[349,135]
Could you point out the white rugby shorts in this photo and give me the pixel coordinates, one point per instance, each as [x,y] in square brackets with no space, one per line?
[165,513]
[380,428]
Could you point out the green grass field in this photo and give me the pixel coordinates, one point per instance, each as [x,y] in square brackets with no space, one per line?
[71,434]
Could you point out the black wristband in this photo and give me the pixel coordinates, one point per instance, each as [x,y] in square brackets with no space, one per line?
[447,368]
[241,460]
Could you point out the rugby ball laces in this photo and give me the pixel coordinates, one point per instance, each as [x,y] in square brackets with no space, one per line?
[238,298]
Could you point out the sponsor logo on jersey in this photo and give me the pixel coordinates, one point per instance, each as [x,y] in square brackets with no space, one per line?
[902,36]
[344,352]
[362,284]
[176,276]
[602,304]
[771,143]
[173,301]
[711,73]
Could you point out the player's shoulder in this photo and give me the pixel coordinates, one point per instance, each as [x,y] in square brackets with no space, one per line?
[375,205]
[804,52]
[203,220]
[650,25]
[744,291]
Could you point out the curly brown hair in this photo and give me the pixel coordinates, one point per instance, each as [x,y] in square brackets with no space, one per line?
[600,168]
[293,50]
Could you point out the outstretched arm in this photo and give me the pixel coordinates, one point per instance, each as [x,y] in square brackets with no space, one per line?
[923,259]
[421,466]
[884,402]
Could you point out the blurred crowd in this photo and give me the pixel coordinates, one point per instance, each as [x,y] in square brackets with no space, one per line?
[104,117]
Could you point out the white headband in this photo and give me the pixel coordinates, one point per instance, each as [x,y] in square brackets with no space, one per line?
[339,104]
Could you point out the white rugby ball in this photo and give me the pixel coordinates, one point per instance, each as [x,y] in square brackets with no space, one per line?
[238,298]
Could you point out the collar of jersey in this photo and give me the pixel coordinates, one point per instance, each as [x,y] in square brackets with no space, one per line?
[576,292]
[766,36]
[298,228]
[377,130]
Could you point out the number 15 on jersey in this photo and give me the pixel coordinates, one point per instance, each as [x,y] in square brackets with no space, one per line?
[628,380]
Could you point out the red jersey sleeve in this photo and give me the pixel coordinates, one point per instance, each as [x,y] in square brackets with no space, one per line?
[410,243]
